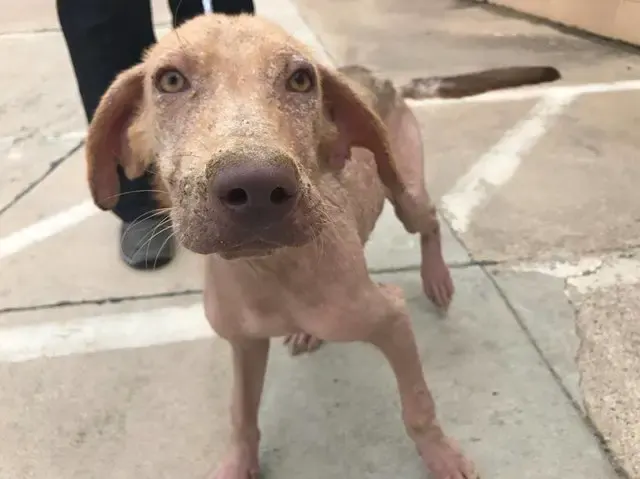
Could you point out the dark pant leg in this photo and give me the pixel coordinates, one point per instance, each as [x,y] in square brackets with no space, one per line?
[184,10]
[233,7]
[105,37]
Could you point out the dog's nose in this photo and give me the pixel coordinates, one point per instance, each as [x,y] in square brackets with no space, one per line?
[256,193]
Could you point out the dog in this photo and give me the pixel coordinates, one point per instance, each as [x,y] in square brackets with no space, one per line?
[275,169]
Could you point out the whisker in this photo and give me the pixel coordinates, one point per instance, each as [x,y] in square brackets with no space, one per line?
[142,217]
[155,233]
[155,263]
[119,195]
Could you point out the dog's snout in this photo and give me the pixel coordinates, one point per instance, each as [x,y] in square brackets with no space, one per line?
[256,193]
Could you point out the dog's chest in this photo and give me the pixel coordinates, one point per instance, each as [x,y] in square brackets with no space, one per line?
[285,297]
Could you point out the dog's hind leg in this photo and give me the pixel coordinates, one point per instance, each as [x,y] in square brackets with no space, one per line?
[300,343]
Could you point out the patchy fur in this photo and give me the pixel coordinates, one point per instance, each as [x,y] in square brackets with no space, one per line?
[239,94]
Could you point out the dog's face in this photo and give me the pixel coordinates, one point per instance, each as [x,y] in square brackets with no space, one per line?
[240,123]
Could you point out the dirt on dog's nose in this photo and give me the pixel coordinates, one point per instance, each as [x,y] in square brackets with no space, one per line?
[255,194]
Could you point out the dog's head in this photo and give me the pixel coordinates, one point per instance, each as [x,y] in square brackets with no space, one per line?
[239,123]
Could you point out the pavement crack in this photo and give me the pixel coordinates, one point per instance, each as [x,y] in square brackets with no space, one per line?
[99,301]
[53,166]
[602,443]
[579,271]
[474,263]
[395,269]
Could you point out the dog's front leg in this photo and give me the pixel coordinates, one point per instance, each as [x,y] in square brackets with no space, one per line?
[415,208]
[249,368]
[395,339]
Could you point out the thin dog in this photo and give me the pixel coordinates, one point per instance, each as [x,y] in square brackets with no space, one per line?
[275,169]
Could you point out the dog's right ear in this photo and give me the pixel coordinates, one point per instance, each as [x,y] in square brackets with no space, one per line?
[108,139]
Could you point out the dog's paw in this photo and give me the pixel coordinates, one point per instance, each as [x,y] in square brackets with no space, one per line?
[238,465]
[445,461]
[300,343]
[436,277]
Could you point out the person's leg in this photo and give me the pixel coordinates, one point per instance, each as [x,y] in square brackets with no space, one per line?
[184,10]
[103,38]
[233,7]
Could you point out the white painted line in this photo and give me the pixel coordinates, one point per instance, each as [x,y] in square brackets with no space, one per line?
[499,164]
[6,142]
[533,92]
[70,136]
[103,333]
[37,232]
[589,274]
[8,146]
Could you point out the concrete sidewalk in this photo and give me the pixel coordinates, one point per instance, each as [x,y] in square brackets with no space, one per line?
[110,373]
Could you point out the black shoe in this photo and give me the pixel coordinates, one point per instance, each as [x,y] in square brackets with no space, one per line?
[147,243]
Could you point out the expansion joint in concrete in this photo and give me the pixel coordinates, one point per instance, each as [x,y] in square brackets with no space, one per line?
[30,187]
[99,301]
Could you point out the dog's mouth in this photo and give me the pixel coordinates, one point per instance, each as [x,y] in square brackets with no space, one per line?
[205,231]
[244,242]
[237,243]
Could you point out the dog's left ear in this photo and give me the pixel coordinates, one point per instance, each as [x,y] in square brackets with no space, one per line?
[357,125]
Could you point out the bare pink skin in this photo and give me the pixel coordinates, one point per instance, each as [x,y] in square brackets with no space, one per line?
[341,142]
[391,332]
[405,137]
[249,363]
[437,284]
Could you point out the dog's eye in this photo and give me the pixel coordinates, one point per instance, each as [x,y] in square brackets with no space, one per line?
[301,81]
[171,81]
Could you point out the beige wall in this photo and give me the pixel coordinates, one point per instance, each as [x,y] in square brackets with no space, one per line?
[619,19]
